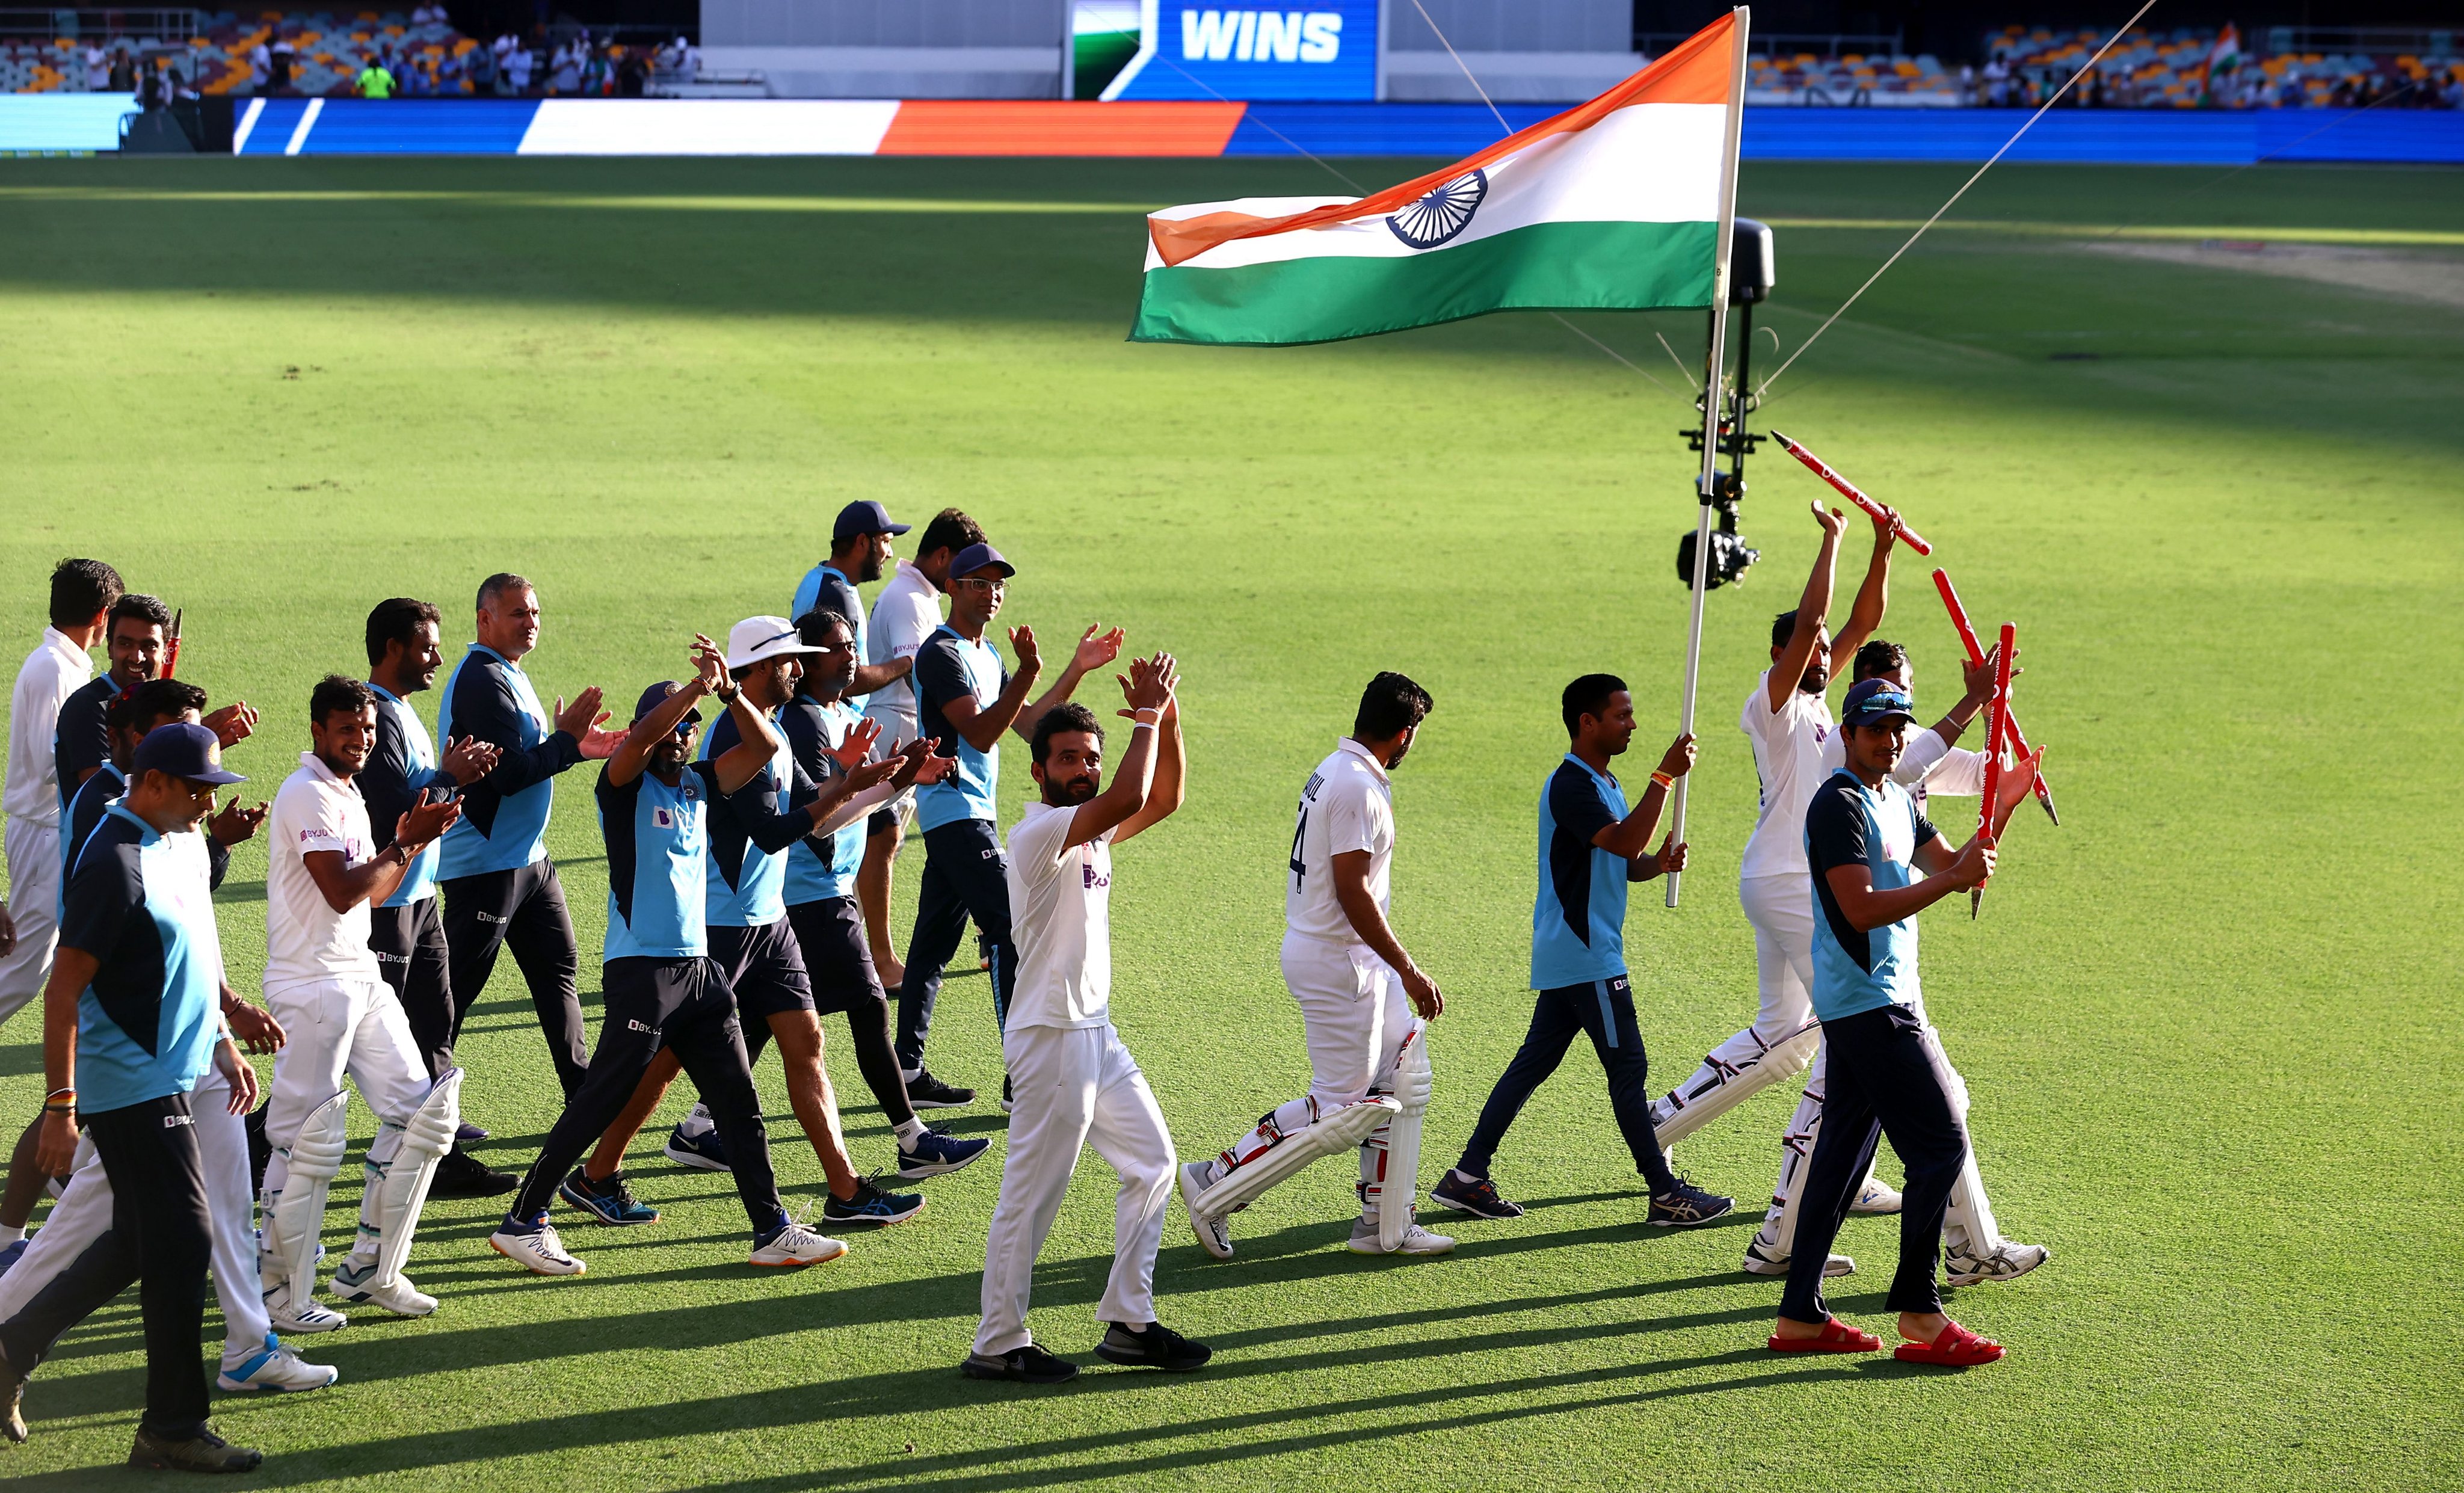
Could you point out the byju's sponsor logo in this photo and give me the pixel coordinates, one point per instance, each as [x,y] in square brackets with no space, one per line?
[1261,35]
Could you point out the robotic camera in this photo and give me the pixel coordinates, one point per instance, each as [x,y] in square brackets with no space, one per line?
[1751,275]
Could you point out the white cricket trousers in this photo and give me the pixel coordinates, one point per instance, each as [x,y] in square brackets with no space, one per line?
[1073,1088]
[35,903]
[337,1027]
[84,1215]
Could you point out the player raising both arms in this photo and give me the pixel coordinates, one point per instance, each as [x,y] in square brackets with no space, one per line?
[1359,992]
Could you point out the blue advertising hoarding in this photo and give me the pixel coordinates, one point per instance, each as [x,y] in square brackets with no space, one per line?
[1326,51]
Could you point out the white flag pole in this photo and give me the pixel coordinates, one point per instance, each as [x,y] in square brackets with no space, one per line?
[1714,357]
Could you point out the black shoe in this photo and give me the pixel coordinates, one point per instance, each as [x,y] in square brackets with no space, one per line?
[1478,1197]
[1686,1207]
[13,1392]
[1156,1347]
[924,1092]
[462,1174]
[1028,1365]
[203,1452]
[1010,1105]
[871,1205]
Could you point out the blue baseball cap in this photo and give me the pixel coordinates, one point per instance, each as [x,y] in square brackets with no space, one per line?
[184,749]
[865,516]
[976,556]
[1872,701]
[656,695]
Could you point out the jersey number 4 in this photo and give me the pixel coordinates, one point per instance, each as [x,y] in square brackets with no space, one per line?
[1299,870]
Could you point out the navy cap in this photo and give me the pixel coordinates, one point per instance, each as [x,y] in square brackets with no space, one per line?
[184,749]
[976,556]
[1873,701]
[864,517]
[656,695]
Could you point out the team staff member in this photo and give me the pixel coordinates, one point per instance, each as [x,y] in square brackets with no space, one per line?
[906,611]
[408,932]
[138,633]
[859,547]
[664,993]
[129,1028]
[1865,843]
[1591,848]
[1077,1084]
[82,594]
[1786,720]
[500,888]
[967,701]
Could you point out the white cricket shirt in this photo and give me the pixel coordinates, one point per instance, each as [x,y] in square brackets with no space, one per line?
[54,671]
[1347,804]
[306,940]
[1788,758]
[1060,919]
[906,611]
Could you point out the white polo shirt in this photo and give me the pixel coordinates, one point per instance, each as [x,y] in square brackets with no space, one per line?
[1347,804]
[54,671]
[306,942]
[1788,758]
[905,613]
[1060,919]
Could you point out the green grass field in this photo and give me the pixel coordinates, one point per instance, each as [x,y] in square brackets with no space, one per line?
[2210,1024]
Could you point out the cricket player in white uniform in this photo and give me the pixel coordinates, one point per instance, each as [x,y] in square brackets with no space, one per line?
[1787,720]
[1075,1084]
[323,983]
[1364,1003]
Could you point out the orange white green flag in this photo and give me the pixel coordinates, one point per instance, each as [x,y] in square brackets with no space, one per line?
[1618,204]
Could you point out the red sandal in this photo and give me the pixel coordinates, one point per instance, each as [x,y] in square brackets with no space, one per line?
[1957,1348]
[1836,1337]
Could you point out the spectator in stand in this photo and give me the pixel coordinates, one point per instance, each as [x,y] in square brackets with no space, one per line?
[633,75]
[119,76]
[518,69]
[261,67]
[279,61]
[565,70]
[375,80]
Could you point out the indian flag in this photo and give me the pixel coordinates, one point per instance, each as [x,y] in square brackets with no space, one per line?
[1619,204]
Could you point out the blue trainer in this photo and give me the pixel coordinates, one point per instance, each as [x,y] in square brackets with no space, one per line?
[871,1205]
[935,1155]
[611,1201]
[702,1152]
[17,1250]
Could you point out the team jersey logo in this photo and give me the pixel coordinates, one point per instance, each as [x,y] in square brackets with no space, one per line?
[664,819]
[1097,880]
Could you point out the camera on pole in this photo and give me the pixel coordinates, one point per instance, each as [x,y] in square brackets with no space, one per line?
[1752,271]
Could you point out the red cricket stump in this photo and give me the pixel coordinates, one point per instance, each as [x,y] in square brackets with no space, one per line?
[1998,723]
[1848,489]
[1976,656]
[171,647]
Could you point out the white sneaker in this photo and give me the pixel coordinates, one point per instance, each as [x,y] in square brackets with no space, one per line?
[1214,1234]
[2007,1263]
[1762,1259]
[798,1245]
[274,1366]
[537,1250]
[305,1316]
[1874,1198]
[1416,1241]
[355,1284]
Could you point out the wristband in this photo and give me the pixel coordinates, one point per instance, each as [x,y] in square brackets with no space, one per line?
[1662,780]
[71,1092]
[59,1109]
[1138,725]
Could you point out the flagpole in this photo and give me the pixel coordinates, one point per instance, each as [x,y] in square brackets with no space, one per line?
[1713,358]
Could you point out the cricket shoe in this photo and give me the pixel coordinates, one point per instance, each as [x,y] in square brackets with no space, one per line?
[1213,1234]
[2007,1263]
[14,1251]
[357,1283]
[935,1155]
[1874,1198]
[461,1175]
[1028,1365]
[466,1132]
[1762,1258]
[13,1395]
[304,1316]
[871,1205]
[610,1200]
[534,1247]
[1416,1241]
[1152,1346]
[924,1092]
[1686,1206]
[274,1366]
[791,1245]
[700,1149]
[203,1452]
[1478,1196]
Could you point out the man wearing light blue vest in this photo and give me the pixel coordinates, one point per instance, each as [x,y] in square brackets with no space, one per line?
[501,888]
[1591,848]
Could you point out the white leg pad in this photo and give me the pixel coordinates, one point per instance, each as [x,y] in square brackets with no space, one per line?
[1340,1132]
[1398,1188]
[1702,1102]
[424,1140]
[296,1216]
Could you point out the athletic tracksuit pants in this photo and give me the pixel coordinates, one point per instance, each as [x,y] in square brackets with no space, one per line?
[1602,1010]
[1887,1078]
[964,876]
[522,909]
[411,948]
